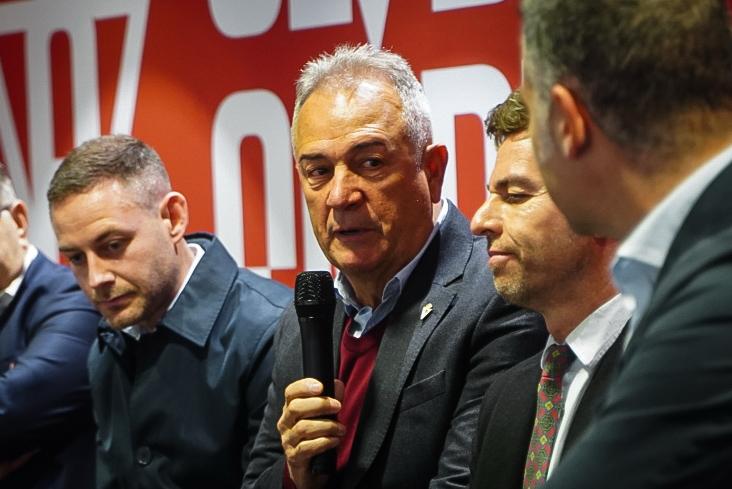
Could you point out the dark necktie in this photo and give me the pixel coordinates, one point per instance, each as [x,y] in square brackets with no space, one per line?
[5,300]
[549,408]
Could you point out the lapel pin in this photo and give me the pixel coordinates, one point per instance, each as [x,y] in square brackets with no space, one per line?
[426,310]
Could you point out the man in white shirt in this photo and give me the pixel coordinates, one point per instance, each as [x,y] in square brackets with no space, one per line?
[631,116]
[538,262]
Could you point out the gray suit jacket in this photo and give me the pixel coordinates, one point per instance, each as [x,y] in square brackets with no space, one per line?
[507,420]
[667,421]
[421,407]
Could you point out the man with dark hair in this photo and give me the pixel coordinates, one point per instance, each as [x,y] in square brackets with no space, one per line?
[538,262]
[181,367]
[631,116]
[46,329]
[419,332]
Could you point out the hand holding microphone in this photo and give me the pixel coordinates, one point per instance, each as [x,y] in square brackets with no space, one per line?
[308,429]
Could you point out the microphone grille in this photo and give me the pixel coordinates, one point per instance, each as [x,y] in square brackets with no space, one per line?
[312,288]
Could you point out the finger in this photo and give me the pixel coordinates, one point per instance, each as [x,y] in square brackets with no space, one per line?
[307,408]
[300,454]
[311,429]
[303,388]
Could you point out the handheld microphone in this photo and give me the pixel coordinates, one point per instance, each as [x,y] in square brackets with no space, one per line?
[315,306]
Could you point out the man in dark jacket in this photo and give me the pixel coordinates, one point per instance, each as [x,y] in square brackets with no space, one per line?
[182,363]
[419,332]
[46,329]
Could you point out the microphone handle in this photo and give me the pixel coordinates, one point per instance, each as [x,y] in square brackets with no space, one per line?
[317,360]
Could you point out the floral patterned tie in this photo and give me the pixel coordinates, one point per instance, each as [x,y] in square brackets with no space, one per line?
[549,408]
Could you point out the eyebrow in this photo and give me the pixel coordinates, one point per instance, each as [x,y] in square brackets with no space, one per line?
[102,237]
[519,180]
[355,149]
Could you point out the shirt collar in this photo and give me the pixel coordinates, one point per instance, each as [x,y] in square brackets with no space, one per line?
[134,331]
[641,255]
[12,289]
[594,336]
[650,241]
[366,317]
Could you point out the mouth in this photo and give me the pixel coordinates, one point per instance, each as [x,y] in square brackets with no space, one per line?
[498,257]
[346,234]
[117,302]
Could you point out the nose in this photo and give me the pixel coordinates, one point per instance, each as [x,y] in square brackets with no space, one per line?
[98,273]
[487,220]
[344,189]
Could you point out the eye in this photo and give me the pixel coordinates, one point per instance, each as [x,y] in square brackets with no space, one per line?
[372,163]
[317,174]
[76,259]
[113,248]
[516,197]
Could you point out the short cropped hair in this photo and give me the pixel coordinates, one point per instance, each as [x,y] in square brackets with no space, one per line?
[118,157]
[642,67]
[7,191]
[507,118]
[348,65]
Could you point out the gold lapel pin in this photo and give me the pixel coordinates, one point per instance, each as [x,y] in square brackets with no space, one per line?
[426,310]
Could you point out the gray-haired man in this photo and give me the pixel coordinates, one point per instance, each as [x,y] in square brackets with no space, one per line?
[419,332]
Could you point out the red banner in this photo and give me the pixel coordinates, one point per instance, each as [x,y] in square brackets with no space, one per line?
[210,85]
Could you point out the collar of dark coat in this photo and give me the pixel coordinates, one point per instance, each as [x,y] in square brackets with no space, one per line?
[199,304]
[455,247]
[710,216]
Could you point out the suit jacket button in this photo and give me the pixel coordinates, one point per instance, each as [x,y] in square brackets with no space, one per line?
[143,456]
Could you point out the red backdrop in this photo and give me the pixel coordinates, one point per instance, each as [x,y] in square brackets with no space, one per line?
[210,86]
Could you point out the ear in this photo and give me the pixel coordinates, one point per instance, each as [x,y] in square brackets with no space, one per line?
[569,123]
[434,162]
[174,211]
[19,213]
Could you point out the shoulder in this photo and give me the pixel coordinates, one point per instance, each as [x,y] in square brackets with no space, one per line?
[49,289]
[264,289]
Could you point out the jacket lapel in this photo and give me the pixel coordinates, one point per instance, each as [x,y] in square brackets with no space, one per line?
[595,393]
[424,302]
[697,241]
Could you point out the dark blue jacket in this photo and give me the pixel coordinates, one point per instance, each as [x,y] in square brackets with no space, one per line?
[180,408]
[45,335]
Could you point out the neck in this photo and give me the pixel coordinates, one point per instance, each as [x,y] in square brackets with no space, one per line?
[575,306]
[647,187]
[183,261]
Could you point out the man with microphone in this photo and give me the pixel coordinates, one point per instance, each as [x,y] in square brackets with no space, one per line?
[418,332]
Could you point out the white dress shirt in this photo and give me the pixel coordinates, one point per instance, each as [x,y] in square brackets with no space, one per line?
[589,341]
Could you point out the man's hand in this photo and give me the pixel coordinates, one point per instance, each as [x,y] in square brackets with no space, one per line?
[304,430]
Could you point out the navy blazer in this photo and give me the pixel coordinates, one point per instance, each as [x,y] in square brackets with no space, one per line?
[180,407]
[45,336]
[667,421]
[507,419]
[421,407]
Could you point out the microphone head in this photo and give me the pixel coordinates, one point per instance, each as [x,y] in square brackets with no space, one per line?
[314,292]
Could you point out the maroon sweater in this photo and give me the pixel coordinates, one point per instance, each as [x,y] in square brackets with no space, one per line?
[357,360]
